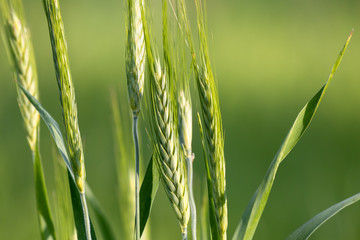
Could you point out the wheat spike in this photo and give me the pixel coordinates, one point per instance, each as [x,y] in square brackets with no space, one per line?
[67,91]
[167,145]
[25,71]
[135,55]
[214,145]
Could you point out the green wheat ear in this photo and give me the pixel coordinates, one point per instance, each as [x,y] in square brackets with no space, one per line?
[213,133]
[135,55]
[67,91]
[167,147]
[25,72]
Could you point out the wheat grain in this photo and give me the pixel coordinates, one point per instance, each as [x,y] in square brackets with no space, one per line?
[25,71]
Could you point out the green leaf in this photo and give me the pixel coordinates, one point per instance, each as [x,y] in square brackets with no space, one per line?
[57,136]
[52,125]
[306,230]
[148,192]
[45,220]
[255,208]
[104,224]
[78,211]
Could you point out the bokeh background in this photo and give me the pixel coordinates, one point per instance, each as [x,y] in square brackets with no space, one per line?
[270,58]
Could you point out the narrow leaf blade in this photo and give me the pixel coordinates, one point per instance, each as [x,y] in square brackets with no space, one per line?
[251,217]
[45,220]
[52,126]
[308,228]
[148,192]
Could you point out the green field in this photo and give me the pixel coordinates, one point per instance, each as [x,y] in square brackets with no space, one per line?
[270,58]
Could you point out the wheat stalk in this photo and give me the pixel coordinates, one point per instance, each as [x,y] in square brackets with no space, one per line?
[167,147]
[25,71]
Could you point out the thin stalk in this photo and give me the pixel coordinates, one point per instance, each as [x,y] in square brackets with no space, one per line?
[86,216]
[184,234]
[137,170]
[189,160]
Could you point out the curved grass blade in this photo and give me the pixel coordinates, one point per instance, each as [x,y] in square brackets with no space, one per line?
[255,208]
[148,192]
[59,141]
[102,221]
[306,230]
[45,220]
[52,126]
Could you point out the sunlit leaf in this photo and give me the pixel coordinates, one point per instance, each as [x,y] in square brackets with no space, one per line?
[255,208]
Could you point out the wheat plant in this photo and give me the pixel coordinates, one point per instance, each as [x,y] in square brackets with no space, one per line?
[68,100]
[135,72]
[21,52]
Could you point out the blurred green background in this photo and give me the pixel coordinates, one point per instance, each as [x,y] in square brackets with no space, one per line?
[270,58]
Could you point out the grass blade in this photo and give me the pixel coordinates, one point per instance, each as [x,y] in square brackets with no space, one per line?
[57,136]
[306,230]
[102,220]
[52,126]
[148,192]
[255,208]
[45,220]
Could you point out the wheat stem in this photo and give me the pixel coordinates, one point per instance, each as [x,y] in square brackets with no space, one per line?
[137,169]
[189,163]
[86,216]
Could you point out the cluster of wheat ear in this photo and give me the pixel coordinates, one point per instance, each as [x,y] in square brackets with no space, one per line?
[169,110]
